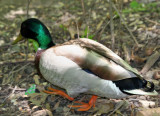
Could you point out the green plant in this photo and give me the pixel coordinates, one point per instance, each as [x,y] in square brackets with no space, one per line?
[85,34]
[63,27]
[134,6]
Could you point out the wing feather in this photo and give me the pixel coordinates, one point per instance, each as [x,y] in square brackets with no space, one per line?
[104,51]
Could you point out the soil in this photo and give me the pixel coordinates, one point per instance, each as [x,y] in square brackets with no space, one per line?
[62,18]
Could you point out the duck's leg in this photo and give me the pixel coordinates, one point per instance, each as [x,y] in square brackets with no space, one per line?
[85,106]
[58,92]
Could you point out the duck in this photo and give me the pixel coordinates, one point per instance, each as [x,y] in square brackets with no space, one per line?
[82,66]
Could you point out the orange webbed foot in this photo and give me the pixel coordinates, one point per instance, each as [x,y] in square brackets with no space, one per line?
[85,106]
[58,92]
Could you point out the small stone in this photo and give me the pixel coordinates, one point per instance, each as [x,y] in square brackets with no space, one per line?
[36,108]
[142,97]
[149,112]
[4,109]
[147,104]
[40,113]
[45,83]
[148,97]
[1,42]
[28,110]
[20,108]
[156,75]
[149,51]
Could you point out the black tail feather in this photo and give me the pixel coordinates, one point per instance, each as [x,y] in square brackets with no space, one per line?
[134,83]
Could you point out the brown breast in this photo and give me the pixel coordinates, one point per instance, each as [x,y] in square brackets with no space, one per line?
[37,59]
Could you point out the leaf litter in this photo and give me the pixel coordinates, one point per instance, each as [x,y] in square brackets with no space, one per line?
[16,76]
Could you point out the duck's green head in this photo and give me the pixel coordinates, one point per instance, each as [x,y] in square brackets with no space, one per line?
[34,30]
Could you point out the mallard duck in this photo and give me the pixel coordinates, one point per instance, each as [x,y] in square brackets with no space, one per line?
[82,66]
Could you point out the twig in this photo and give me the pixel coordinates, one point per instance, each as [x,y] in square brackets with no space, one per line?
[66,114]
[153,21]
[122,19]
[111,25]
[14,71]
[103,29]
[77,29]
[87,31]
[27,41]
[127,56]
[16,62]
[151,60]
[19,89]
[119,105]
[19,69]
[10,94]
[28,8]
[11,71]
[120,7]
[7,45]
[26,58]
[82,3]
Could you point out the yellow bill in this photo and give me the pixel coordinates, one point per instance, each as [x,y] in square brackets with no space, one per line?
[19,38]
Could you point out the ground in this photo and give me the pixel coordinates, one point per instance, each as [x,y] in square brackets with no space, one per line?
[62,18]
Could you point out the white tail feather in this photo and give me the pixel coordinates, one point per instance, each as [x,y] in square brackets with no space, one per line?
[140,92]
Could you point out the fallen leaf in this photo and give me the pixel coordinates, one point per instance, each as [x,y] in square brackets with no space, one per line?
[151,60]
[36,79]
[40,113]
[48,106]
[149,112]
[104,108]
[56,105]
[18,77]
[38,98]
[118,106]
[137,59]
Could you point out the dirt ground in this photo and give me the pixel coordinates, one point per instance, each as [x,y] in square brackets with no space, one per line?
[62,18]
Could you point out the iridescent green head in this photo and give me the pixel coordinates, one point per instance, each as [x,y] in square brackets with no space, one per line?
[34,30]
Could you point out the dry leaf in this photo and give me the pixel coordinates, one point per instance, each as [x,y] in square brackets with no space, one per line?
[149,51]
[38,98]
[40,113]
[151,60]
[18,77]
[56,105]
[137,59]
[104,108]
[48,106]
[149,112]
[36,79]
[118,106]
